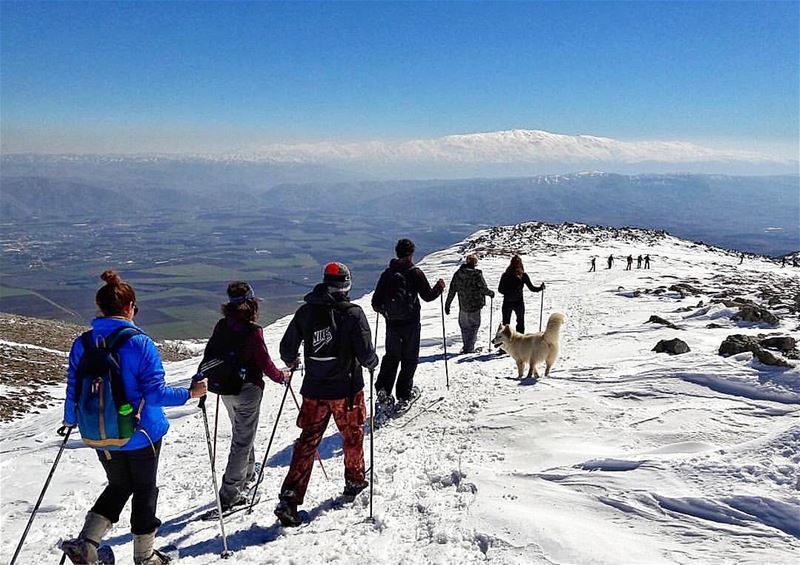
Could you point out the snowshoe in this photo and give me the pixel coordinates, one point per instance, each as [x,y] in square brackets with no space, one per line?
[158,558]
[229,510]
[82,552]
[404,404]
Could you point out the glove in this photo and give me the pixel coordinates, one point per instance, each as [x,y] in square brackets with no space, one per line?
[447,310]
[62,431]
[440,284]
[542,286]
[287,376]
[491,294]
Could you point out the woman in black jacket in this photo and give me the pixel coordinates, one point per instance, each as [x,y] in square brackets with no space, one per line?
[511,288]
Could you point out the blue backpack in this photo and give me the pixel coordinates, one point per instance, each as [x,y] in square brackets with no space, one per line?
[105,417]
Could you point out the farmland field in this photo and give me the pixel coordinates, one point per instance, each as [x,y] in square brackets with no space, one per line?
[180,266]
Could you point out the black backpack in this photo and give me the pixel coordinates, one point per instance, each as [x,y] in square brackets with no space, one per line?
[400,301]
[223,354]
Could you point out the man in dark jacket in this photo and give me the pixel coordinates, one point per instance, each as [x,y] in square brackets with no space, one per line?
[396,297]
[472,291]
[337,342]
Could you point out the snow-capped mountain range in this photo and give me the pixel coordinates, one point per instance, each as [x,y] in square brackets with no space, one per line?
[510,146]
[541,151]
[621,455]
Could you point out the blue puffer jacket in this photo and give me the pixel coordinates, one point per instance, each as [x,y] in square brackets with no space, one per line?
[143,377]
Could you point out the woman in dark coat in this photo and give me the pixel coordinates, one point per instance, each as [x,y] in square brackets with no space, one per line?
[511,283]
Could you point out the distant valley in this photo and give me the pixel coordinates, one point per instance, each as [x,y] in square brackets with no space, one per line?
[181,229]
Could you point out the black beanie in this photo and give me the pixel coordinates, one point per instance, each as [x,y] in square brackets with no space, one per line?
[404,248]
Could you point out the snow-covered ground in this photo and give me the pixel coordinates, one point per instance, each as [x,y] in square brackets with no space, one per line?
[621,455]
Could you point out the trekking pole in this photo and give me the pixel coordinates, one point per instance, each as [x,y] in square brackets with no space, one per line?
[491,311]
[202,405]
[377,320]
[444,343]
[371,438]
[319,459]
[541,311]
[41,495]
[216,422]
[269,446]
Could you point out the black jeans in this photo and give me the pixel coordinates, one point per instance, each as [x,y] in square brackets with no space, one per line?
[518,308]
[402,348]
[131,473]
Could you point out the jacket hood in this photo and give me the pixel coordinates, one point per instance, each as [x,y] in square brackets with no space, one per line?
[104,326]
[324,295]
[468,271]
[400,265]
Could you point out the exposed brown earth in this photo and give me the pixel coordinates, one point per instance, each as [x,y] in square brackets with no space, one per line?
[27,372]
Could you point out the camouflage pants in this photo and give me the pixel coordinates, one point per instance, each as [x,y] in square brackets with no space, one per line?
[313,419]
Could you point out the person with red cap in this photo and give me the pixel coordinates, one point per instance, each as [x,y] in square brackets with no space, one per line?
[337,343]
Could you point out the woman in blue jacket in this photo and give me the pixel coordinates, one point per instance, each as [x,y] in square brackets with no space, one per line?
[131,465]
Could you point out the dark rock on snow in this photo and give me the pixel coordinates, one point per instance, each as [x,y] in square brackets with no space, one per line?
[659,320]
[673,346]
[755,313]
[738,343]
[781,343]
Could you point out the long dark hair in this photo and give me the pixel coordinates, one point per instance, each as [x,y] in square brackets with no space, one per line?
[515,266]
[114,296]
[242,306]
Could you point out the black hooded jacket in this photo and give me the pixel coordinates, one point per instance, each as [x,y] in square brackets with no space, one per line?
[337,375]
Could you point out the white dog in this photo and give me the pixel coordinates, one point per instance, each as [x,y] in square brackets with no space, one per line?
[531,348]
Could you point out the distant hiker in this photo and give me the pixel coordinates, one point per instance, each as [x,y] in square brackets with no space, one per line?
[639,262]
[794,262]
[783,262]
[396,297]
[511,283]
[630,263]
[647,261]
[126,429]
[240,383]
[472,291]
[337,342]
[593,268]
[610,261]
[741,259]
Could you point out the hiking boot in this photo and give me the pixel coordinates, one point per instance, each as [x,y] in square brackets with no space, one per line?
[83,549]
[144,553]
[286,512]
[240,500]
[352,488]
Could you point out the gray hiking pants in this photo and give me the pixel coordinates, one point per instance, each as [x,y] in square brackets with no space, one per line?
[470,323]
[243,410]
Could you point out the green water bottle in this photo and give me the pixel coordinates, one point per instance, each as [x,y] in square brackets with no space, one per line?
[125,421]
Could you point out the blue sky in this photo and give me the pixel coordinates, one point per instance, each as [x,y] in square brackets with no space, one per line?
[181,76]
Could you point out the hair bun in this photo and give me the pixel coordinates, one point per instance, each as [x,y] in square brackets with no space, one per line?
[111,277]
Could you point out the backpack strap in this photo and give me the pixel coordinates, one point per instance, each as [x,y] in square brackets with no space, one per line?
[114,341]
[87,343]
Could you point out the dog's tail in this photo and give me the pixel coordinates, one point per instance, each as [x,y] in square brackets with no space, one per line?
[554,323]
